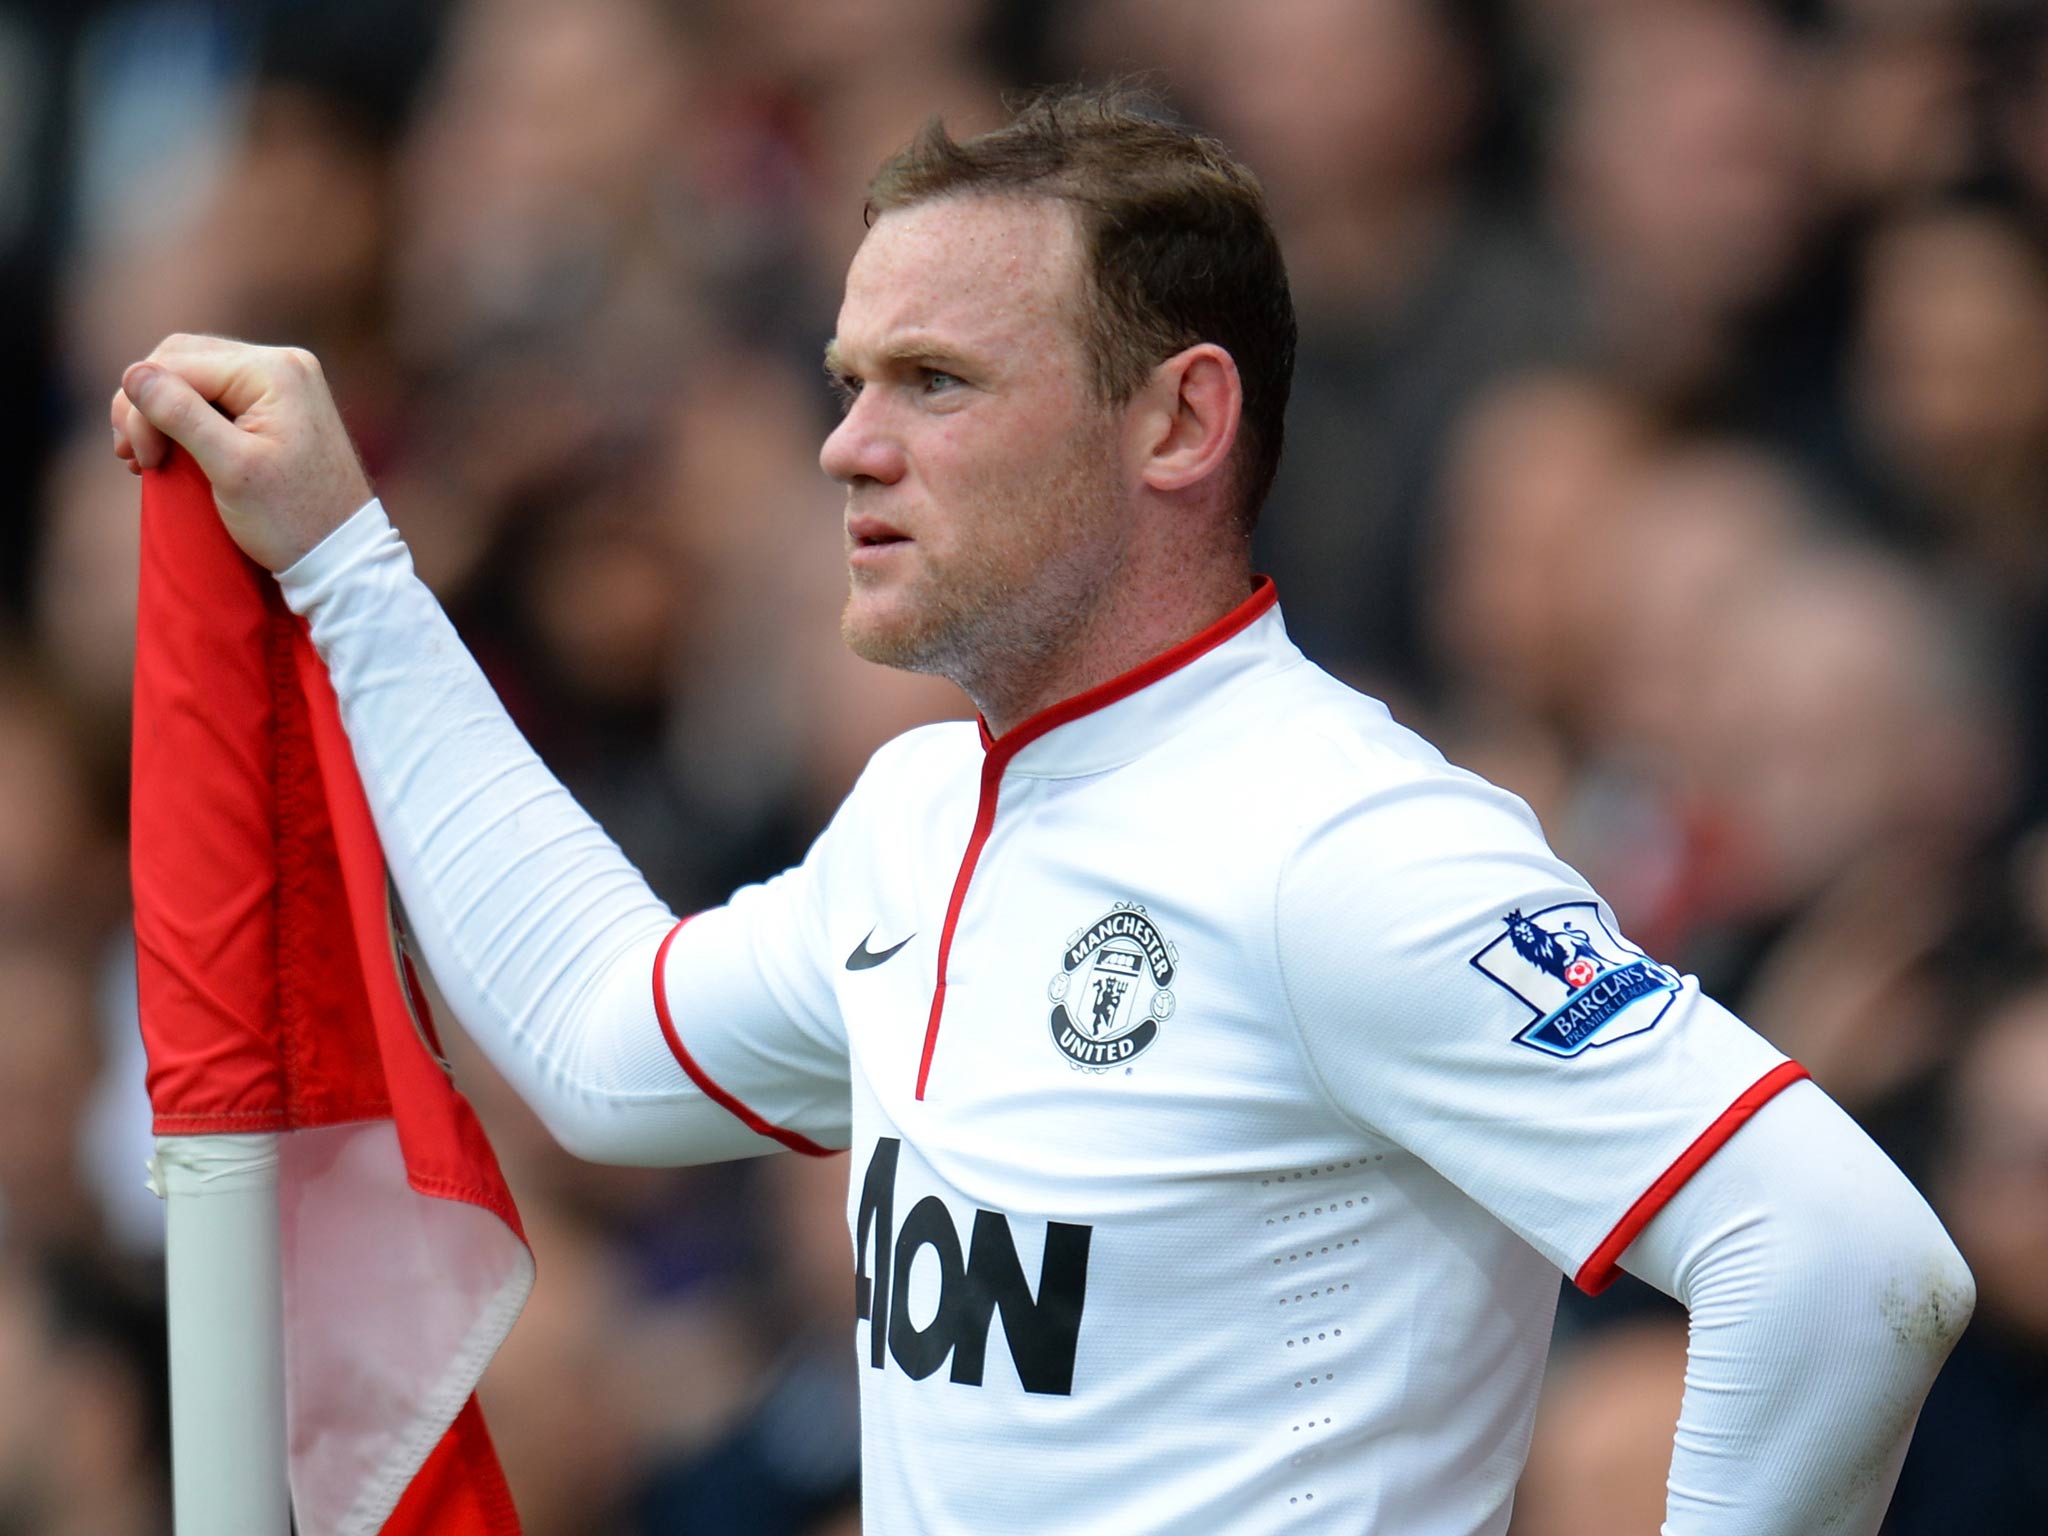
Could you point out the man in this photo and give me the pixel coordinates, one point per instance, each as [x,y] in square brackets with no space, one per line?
[1226,1076]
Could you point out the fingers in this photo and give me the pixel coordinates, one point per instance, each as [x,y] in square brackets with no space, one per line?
[233,374]
[124,446]
[135,440]
[166,406]
[261,424]
[240,378]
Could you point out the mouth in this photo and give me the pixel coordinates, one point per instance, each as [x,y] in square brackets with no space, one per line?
[872,533]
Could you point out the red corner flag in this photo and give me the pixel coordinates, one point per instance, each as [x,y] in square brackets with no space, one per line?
[276,997]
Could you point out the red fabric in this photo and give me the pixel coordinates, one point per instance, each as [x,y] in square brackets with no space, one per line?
[461,1489]
[271,990]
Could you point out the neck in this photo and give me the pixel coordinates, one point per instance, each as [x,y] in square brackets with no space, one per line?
[1130,624]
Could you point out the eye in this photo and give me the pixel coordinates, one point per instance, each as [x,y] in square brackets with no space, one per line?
[937,381]
[845,389]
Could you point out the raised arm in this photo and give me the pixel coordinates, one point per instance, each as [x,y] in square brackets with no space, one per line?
[541,934]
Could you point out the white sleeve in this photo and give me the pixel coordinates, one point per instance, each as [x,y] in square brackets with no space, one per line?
[543,938]
[1462,992]
[1824,1296]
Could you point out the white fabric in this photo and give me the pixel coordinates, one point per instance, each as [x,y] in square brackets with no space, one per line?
[1289,1263]
[1407,872]
[393,1305]
[1811,1298]
[539,932]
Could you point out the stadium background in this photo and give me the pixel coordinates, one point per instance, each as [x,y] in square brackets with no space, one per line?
[1670,442]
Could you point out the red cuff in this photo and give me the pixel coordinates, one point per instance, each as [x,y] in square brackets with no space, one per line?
[1601,1270]
[711,1090]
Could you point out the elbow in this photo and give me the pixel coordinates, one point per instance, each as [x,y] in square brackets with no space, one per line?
[597,1138]
[577,1136]
[662,1131]
[1885,1280]
[1930,1298]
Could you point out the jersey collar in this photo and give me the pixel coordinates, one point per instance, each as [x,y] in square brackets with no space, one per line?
[1115,722]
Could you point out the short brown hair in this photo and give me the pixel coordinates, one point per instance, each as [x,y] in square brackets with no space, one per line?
[1177,242]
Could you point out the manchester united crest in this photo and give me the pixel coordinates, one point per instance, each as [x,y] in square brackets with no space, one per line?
[1113,989]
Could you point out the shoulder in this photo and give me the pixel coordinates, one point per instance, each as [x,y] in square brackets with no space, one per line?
[921,758]
[1398,863]
[909,779]
[887,817]
[1324,762]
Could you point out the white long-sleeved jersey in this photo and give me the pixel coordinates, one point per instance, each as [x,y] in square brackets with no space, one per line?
[1226,1076]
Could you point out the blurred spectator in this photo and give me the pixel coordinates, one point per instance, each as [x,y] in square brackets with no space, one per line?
[541,292]
[1694,529]
[1979,1461]
[267,215]
[534,182]
[49,1056]
[296,233]
[1691,531]
[559,1370]
[1952,386]
[1671,427]
[828,92]
[780,708]
[116,1133]
[1412,291]
[32,188]
[57,869]
[1858,759]
[1899,110]
[583,610]
[2029,890]
[1847,713]
[791,1458]
[1683,186]
[1531,479]
[1603,1435]
[83,1432]
[83,598]
[2019,62]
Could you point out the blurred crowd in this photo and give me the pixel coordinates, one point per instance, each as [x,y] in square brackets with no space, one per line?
[1669,442]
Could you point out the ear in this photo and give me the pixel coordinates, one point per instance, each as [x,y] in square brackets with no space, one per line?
[1186,423]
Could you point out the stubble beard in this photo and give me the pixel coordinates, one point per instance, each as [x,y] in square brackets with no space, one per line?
[993,618]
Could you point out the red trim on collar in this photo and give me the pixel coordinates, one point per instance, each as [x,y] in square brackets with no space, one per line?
[1602,1269]
[1001,749]
[1124,684]
[756,1123]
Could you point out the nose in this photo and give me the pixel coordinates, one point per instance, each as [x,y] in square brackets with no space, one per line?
[861,447]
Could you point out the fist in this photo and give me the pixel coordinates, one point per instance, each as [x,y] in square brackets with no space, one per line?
[262,427]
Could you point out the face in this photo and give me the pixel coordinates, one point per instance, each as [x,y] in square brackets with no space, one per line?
[984,486]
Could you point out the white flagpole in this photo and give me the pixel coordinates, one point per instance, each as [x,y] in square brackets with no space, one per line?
[225,1298]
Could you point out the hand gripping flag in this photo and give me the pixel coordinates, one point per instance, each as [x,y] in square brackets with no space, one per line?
[276,996]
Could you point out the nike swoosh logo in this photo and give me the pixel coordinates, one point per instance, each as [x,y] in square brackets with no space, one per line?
[863,958]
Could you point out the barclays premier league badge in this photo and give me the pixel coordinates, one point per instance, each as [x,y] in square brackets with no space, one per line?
[1582,983]
[1113,989]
